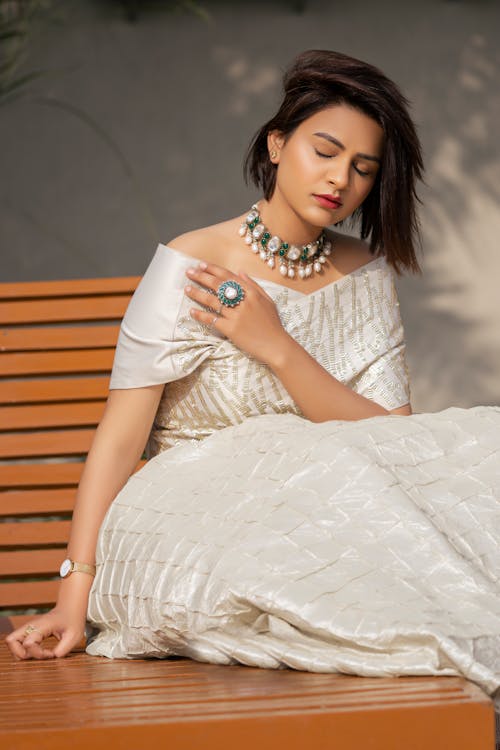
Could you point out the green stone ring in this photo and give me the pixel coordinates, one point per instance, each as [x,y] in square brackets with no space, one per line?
[230,293]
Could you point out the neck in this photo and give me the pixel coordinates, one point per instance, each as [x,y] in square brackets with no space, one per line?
[282,220]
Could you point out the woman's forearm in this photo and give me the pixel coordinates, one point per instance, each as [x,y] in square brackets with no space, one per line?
[116,448]
[318,394]
[106,471]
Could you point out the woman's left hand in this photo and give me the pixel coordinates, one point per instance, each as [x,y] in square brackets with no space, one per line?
[253,325]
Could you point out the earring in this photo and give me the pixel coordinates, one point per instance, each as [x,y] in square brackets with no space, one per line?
[273,154]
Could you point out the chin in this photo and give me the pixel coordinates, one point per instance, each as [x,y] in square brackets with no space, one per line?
[315,215]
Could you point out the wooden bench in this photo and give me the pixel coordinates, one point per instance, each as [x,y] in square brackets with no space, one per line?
[57,342]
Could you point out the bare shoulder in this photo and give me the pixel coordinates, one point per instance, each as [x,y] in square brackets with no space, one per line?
[208,243]
[349,253]
[199,244]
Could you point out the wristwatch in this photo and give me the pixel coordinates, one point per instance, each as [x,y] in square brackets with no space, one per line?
[69,566]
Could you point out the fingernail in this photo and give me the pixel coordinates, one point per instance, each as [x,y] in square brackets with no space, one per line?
[190,270]
[187,288]
[202,264]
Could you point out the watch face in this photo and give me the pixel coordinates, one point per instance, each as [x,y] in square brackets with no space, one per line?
[65,567]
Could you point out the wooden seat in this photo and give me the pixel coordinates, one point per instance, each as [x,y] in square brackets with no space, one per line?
[93,702]
[57,342]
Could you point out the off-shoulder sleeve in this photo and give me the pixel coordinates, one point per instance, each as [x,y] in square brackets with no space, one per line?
[152,348]
[386,379]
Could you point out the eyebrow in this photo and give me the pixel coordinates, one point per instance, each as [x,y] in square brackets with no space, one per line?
[331,139]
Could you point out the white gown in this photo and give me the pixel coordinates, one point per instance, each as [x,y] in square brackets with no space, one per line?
[253,535]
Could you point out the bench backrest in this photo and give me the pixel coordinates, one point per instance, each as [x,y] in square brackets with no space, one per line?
[57,341]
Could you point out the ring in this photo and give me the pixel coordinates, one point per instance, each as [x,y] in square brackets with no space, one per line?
[30,629]
[230,293]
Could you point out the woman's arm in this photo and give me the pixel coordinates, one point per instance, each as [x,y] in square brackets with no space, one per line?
[319,395]
[116,448]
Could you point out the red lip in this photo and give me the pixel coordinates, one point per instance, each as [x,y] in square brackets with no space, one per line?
[328,201]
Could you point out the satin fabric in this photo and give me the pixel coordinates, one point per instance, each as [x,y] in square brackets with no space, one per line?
[368,547]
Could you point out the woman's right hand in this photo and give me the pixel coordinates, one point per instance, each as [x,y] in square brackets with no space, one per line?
[66,625]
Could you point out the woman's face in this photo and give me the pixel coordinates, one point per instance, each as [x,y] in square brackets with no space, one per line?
[336,152]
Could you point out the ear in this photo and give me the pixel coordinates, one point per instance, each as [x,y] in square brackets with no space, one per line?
[275,142]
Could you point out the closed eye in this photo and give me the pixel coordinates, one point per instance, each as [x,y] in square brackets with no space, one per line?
[325,156]
[330,156]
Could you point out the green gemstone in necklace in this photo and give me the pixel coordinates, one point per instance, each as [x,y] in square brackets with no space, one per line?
[311,256]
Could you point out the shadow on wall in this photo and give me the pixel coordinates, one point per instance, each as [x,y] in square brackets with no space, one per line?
[454,312]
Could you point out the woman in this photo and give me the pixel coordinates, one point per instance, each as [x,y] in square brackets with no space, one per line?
[288,515]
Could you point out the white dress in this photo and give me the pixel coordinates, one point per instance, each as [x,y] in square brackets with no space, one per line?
[253,535]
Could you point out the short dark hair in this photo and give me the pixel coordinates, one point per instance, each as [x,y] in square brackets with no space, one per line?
[318,79]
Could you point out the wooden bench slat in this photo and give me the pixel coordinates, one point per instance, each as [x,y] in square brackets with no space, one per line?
[36,502]
[46,390]
[50,443]
[345,698]
[40,475]
[44,475]
[31,533]
[42,363]
[58,337]
[31,562]
[68,287]
[30,594]
[51,415]
[63,309]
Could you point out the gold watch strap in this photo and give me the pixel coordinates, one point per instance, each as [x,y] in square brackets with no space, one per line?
[83,568]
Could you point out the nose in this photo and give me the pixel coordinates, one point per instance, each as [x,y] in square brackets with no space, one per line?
[338,173]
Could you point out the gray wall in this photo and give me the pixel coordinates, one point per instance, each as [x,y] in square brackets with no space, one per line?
[138,132]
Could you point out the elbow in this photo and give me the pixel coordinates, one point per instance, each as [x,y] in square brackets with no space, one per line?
[402,410]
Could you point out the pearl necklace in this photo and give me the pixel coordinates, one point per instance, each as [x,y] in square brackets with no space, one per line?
[312,256]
